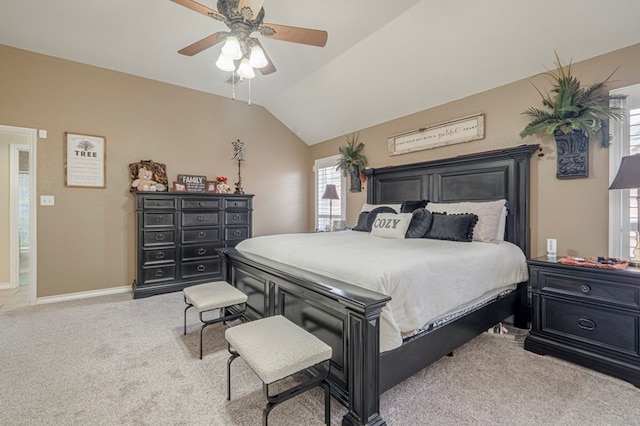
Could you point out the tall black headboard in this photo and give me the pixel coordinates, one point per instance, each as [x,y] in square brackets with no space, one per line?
[485,176]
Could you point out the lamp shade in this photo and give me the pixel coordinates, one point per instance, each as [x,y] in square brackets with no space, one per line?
[231,48]
[330,193]
[245,70]
[225,63]
[628,174]
[257,58]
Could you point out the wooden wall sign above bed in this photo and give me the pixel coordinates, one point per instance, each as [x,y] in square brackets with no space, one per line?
[465,129]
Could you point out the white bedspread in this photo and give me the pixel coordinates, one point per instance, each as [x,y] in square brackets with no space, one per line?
[425,278]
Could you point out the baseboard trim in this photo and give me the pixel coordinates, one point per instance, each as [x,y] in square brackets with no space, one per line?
[5,286]
[83,295]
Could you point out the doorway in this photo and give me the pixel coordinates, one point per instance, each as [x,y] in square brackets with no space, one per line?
[18,285]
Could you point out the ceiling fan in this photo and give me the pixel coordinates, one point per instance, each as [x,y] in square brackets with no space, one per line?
[244,17]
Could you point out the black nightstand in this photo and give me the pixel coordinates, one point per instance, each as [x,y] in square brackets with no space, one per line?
[586,315]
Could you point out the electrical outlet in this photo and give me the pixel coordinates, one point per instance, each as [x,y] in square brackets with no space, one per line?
[46,200]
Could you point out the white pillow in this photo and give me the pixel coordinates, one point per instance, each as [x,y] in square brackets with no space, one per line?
[368,207]
[391,225]
[502,227]
[490,213]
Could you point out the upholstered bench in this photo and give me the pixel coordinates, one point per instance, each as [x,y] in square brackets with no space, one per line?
[276,348]
[210,296]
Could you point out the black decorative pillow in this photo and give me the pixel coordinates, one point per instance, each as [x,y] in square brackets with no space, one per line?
[410,206]
[421,221]
[373,213]
[362,222]
[453,227]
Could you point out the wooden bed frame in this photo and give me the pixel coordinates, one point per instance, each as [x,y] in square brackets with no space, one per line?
[347,317]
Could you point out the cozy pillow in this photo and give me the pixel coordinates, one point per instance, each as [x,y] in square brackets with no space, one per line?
[369,207]
[391,225]
[489,216]
[421,220]
[410,206]
[452,227]
[373,213]
[362,222]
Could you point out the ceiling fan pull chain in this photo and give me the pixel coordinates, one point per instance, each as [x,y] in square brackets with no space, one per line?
[249,102]
[233,85]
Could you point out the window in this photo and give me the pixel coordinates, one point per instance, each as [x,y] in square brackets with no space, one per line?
[623,212]
[326,174]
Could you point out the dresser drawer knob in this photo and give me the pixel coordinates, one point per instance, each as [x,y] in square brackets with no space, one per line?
[159,273]
[585,288]
[201,218]
[201,268]
[202,251]
[160,255]
[202,234]
[237,233]
[160,219]
[201,203]
[237,217]
[160,237]
[586,324]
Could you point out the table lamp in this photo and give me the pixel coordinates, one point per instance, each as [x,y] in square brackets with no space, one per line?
[330,193]
[628,177]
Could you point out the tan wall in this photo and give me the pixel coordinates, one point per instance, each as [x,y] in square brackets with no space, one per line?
[87,240]
[575,212]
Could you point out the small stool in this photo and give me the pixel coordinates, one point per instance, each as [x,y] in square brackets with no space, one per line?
[210,296]
[276,348]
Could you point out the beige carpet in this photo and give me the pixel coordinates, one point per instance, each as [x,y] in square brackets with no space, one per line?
[116,361]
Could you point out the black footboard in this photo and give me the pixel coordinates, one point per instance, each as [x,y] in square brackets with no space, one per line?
[344,316]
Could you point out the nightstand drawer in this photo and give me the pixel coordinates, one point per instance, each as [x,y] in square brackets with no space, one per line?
[600,290]
[601,327]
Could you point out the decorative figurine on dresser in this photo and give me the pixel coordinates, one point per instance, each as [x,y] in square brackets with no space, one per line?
[587,311]
[179,235]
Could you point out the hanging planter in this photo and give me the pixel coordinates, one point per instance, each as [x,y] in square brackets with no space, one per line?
[572,113]
[352,161]
[572,154]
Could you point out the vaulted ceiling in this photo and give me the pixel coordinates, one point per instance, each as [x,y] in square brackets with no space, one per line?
[383,59]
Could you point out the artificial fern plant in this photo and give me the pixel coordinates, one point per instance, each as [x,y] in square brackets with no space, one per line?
[571,106]
[351,157]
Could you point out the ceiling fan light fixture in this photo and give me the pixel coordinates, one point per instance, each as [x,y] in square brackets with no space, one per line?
[257,58]
[245,70]
[225,63]
[231,48]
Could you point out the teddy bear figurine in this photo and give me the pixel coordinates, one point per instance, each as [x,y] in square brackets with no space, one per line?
[145,181]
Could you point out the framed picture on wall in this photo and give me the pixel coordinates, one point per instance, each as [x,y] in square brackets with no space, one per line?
[85,161]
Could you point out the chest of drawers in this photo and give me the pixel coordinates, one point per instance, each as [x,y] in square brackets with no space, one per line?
[588,316]
[179,236]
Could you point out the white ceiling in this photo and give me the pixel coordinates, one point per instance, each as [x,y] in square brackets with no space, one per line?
[383,59]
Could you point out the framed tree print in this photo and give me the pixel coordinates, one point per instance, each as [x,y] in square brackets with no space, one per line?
[85,161]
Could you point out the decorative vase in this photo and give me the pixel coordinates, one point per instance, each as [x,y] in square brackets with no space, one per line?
[572,154]
[356,184]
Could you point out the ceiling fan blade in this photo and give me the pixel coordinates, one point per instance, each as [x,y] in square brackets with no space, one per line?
[269,68]
[203,44]
[254,5]
[294,34]
[200,8]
